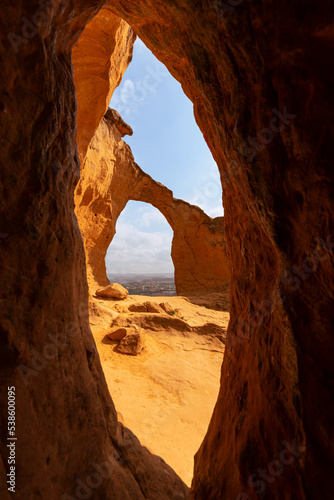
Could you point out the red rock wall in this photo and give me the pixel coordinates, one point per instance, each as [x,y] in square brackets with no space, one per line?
[243,63]
[239,63]
[109,179]
[66,423]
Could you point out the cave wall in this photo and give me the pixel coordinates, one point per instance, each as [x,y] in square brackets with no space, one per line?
[69,442]
[259,76]
[109,179]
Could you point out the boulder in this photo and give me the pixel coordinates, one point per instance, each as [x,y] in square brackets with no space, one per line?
[166,307]
[153,307]
[137,307]
[132,344]
[117,334]
[112,291]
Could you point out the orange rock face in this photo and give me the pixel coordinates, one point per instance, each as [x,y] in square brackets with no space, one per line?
[110,178]
[100,58]
[260,80]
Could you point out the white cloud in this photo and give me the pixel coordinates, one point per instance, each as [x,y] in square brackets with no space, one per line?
[211,206]
[136,251]
[215,211]
[207,194]
[150,215]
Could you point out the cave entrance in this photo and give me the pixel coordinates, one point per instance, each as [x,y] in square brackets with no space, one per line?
[173,381]
[139,256]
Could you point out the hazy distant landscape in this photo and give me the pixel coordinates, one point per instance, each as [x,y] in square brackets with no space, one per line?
[146,284]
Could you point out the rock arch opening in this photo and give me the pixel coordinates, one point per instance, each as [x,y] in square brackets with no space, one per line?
[110,180]
[198,249]
[141,249]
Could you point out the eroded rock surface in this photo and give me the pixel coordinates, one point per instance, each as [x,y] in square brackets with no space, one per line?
[138,308]
[110,178]
[167,393]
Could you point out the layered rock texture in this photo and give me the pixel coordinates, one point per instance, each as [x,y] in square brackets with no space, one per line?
[259,76]
[110,178]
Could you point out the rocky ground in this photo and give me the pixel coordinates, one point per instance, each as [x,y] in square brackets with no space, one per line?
[165,394]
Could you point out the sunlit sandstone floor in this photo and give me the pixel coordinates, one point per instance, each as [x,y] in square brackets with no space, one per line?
[166,394]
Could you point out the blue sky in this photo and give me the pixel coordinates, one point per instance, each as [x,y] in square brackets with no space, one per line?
[168,145]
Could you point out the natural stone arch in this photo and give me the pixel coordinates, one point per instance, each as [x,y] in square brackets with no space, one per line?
[141,246]
[110,178]
[278,214]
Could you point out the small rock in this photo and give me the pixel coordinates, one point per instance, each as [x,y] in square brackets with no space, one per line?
[166,307]
[153,307]
[114,290]
[117,334]
[137,307]
[132,344]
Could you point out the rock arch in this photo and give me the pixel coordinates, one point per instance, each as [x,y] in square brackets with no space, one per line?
[262,91]
[110,178]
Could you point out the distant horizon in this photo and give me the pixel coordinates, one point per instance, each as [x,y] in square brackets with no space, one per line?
[140,274]
[136,277]
[128,279]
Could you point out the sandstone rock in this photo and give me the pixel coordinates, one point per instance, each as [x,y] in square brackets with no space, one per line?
[153,307]
[110,178]
[114,117]
[168,422]
[138,307]
[152,321]
[132,344]
[166,307]
[117,334]
[114,290]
